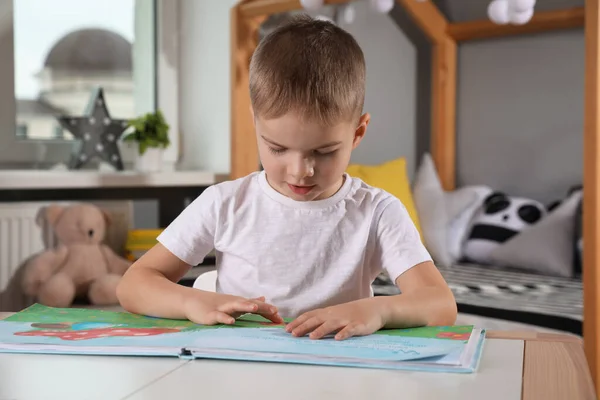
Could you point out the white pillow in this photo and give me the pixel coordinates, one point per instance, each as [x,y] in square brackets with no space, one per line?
[499,218]
[546,247]
[459,226]
[444,216]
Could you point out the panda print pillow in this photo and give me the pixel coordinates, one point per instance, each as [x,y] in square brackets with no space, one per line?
[500,218]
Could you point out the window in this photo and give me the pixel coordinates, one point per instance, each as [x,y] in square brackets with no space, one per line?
[59,133]
[63,49]
[56,52]
[22,131]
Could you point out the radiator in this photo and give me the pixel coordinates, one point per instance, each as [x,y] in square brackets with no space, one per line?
[21,237]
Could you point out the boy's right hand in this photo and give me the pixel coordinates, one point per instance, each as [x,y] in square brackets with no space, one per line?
[217,308]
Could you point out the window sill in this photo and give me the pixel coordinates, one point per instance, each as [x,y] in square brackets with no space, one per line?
[44,179]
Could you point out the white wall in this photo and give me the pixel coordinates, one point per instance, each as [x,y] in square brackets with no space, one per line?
[520,114]
[204,84]
[205,87]
[391,88]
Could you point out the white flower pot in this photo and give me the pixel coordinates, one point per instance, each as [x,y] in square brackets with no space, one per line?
[150,161]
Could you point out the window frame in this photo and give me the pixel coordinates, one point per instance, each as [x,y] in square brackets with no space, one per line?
[16,153]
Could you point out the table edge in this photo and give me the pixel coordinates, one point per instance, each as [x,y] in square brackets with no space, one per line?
[534,336]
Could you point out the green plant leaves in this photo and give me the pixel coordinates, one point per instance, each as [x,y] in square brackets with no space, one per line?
[149,130]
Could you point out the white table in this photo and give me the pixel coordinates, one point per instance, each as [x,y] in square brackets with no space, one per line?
[498,379]
[28,376]
[514,365]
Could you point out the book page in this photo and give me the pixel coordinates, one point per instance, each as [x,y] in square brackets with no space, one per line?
[277,340]
[61,328]
[95,331]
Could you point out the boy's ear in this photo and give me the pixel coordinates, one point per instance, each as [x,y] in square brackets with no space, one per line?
[361,129]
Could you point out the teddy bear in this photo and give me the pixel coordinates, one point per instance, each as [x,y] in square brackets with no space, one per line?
[80,264]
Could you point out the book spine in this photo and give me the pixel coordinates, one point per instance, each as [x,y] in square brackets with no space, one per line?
[186,354]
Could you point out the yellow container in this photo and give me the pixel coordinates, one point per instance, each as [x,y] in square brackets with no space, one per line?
[139,241]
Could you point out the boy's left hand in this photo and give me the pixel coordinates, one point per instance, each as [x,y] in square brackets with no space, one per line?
[357,318]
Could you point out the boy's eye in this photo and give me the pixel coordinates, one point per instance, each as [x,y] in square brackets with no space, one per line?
[276,151]
[326,153]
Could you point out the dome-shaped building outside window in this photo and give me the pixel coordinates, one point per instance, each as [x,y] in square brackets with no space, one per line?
[77,63]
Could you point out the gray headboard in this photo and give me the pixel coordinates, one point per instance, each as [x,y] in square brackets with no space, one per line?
[520,114]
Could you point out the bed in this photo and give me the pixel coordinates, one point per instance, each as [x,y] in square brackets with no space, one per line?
[562,303]
[509,295]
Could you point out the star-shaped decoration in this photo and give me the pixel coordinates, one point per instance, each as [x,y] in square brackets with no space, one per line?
[97,133]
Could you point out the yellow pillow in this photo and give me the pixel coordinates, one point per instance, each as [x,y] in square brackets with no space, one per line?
[390,176]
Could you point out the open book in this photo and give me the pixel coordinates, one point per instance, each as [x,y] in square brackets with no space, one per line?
[41,329]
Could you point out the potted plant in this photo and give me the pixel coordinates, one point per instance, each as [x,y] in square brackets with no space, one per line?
[151,133]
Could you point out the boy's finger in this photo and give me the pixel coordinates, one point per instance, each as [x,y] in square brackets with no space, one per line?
[275,318]
[255,307]
[347,332]
[307,326]
[267,310]
[223,318]
[238,307]
[296,322]
[219,317]
[326,328]
[264,308]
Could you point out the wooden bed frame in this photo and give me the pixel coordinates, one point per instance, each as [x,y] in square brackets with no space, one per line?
[247,16]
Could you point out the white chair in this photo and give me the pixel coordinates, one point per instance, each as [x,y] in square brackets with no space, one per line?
[206,281]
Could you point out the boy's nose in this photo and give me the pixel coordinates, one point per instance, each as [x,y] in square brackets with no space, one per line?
[303,168]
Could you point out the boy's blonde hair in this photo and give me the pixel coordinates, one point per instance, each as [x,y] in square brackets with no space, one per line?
[311,67]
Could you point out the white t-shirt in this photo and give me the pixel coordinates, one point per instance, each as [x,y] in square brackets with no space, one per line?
[299,255]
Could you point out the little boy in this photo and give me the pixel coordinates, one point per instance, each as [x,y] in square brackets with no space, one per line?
[300,239]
